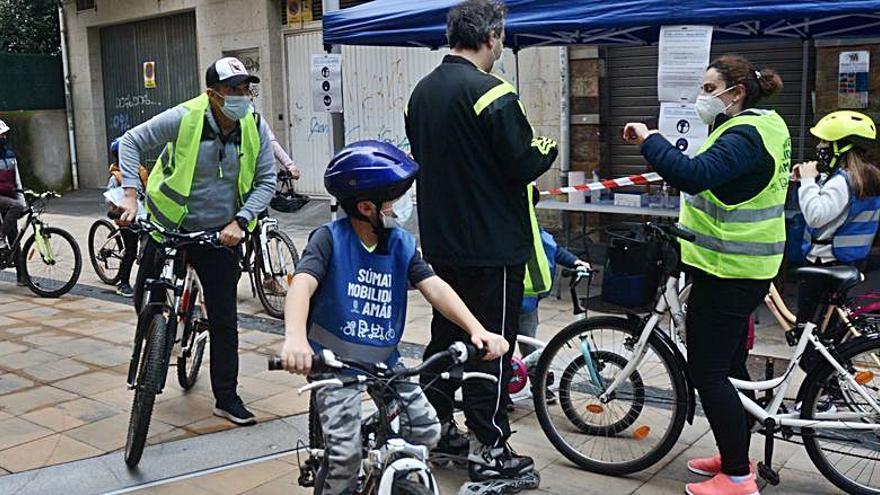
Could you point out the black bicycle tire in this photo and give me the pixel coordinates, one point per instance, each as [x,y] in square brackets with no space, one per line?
[153,365]
[679,381]
[631,416]
[77,263]
[101,222]
[813,385]
[258,275]
[316,433]
[186,378]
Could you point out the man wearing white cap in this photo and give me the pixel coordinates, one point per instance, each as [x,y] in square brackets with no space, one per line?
[217,172]
[12,204]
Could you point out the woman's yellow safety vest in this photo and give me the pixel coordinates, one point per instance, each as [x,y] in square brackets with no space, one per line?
[169,184]
[744,240]
[537,279]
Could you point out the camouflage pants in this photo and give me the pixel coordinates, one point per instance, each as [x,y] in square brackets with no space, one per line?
[340,412]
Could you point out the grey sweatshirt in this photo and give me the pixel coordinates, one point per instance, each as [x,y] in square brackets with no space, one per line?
[825,208]
[213,200]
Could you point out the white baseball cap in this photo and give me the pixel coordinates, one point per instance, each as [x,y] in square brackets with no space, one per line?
[229,71]
[3,127]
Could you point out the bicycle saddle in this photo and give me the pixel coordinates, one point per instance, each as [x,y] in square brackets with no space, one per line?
[834,278]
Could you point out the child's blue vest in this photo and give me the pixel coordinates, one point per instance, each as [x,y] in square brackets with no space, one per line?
[852,241]
[359,309]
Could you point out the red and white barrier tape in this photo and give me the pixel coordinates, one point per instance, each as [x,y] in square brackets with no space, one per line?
[632,180]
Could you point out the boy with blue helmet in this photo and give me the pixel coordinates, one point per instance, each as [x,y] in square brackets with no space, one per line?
[349,295]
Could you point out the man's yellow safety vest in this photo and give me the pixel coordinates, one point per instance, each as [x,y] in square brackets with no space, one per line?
[537,278]
[744,240]
[170,181]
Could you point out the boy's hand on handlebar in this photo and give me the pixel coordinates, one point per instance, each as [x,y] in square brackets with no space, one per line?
[583,264]
[494,344]
[296,355]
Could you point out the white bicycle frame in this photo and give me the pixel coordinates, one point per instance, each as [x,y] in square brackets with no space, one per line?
[266,225]
[188,283]
[670,304]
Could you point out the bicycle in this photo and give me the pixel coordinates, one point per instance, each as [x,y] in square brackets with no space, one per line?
[44,260]
[634,386]
[270,258]
[390,464]
[106,250]
[179,320]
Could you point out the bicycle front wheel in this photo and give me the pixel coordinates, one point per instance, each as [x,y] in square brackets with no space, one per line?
[849,458]
[106,250]
[641,419]
[51,265]
[273,281]
[153,366]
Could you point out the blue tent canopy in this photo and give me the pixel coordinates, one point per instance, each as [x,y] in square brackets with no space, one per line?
[565,22]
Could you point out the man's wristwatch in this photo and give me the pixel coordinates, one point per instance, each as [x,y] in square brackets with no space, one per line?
[241,221]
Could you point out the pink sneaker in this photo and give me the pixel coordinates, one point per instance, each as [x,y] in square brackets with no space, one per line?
[705,466]
[720,484]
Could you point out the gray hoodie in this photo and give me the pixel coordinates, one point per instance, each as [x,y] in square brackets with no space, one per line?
[213,200]
[825,207]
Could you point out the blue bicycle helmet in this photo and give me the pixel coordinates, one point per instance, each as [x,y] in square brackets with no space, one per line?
[114,146]
[370,171]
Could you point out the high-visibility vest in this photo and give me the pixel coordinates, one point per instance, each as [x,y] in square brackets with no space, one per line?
[744,240]
[170,181]
[852,241]
[537,278]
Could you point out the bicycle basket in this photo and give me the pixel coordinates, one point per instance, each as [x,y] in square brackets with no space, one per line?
[631,271]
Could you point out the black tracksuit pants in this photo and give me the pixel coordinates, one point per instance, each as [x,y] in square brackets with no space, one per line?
[494,295]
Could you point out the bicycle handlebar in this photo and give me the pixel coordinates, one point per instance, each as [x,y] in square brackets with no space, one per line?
[177,237]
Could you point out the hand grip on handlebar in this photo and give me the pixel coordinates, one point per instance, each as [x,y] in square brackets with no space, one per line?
[681,234]
[275,363]
[321,362]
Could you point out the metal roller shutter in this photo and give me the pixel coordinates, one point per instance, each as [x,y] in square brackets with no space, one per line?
[631,82]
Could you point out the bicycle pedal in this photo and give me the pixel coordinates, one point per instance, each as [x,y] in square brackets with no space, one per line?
[768,474]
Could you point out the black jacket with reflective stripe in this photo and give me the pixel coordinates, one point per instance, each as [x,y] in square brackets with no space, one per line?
[477,152]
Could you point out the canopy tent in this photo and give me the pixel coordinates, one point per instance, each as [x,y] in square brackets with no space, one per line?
[604,22]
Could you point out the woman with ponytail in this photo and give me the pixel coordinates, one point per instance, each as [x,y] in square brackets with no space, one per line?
[734,205]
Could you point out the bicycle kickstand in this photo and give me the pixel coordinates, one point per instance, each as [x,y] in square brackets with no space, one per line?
[765,469]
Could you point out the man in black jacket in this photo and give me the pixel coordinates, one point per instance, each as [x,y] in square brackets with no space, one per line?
[477,153]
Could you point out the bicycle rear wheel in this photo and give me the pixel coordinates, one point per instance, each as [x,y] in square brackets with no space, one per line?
[848,458]
[194,339]
[106,250]
[273,281]
[643,417]
[53,269]
[153,366]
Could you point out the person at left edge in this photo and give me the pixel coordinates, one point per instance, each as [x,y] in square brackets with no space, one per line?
[217,172]
[12,203]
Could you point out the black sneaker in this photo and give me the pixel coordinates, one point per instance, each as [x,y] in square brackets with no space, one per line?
[235,412]
[486,463]
[453,442]
[124,289]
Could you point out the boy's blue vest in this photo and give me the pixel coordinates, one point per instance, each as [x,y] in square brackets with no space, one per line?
[530,304]
[852,241]
[359,309]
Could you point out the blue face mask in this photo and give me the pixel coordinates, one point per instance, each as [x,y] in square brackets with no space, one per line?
[236,107]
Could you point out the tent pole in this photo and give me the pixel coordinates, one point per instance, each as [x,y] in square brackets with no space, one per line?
[516,67]
[337,121]
[805,75]
[564,116]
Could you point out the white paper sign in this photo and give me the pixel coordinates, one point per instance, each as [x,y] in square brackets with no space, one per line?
[683,58]
[681,125]
[327,83]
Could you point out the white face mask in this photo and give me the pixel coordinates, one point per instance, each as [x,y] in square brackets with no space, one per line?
[401,211]
[709,107]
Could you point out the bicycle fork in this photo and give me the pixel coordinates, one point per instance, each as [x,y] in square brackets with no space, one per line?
[43,246]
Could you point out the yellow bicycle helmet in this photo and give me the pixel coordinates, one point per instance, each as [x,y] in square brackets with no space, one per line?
[845,130]
[843,124]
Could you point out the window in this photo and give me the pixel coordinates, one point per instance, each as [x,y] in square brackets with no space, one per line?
[84,5]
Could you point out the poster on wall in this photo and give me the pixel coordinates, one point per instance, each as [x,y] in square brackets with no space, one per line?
[682,60]
[681,125]
[150,74]
[852,79]
[299,11]
[326,78]
[250,57]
